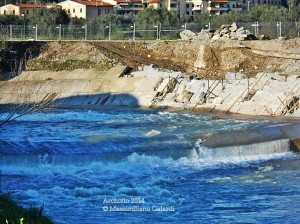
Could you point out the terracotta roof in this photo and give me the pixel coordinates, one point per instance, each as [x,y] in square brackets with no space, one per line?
[94,3]
[29,5]
[136,0]
[155,1]
[119,1]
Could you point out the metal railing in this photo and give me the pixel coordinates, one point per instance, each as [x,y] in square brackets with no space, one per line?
[133,31]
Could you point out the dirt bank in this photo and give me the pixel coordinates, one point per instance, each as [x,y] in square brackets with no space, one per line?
[203,59]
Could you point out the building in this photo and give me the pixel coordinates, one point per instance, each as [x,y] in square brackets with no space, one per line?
[19,9]
[219,7]
[88,9]
[248,4]
[155,4]
[129,6]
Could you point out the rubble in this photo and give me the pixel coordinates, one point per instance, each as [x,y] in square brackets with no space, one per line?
[232,32]
[188,35]
[225,32]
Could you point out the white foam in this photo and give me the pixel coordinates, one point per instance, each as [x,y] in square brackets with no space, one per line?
[152,133]
[202,156]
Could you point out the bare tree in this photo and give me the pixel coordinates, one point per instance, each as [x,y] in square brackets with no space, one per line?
[20,102]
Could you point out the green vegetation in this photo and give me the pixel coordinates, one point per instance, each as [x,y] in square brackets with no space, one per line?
[10,212]
[117,27]
[151,16]
[69,64]
[257,13]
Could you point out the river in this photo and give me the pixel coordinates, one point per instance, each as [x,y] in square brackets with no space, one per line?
[127,166]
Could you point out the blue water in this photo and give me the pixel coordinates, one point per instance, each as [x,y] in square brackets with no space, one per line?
[82,166]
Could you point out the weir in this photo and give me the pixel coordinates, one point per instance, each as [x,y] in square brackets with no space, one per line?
[198,154]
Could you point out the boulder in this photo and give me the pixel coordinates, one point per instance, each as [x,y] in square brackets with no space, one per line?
[187,35]
[225,26]
[233,27]
[216,37]
[209,36]
[261,37]
[224,31]
[204,35]
[225,36]
[233,36]
[239,29]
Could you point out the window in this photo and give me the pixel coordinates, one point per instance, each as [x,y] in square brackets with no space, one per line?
[73,10]
[69,10]
[4,12]
[14,12]
[244,1]
[99,12]
[27,12]
[258,1]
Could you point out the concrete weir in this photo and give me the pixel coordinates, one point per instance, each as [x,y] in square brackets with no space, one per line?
[280,137]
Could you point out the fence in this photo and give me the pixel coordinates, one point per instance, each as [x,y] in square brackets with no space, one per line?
[135,32]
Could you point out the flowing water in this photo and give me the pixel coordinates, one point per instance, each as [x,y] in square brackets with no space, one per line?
[146,167]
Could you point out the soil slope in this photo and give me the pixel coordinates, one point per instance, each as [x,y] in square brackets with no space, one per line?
[217,58]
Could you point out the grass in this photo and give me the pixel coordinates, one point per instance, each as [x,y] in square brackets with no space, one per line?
[11,213]
[69,64]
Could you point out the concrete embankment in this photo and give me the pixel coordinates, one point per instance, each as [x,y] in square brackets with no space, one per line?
[75,89]
[266,94]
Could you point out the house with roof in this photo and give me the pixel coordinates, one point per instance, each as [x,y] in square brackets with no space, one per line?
[129,6]
[219,7]
[19,9]
[248,4]
[156,4]
[88,9]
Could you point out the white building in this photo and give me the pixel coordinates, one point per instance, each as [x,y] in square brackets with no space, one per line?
[88,9]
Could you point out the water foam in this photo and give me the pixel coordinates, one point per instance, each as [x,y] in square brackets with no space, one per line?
[239,154]
[152,133]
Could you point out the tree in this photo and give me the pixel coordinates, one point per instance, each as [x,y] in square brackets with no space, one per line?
[10,19]
[49,17]
[19,99]
[152,16]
